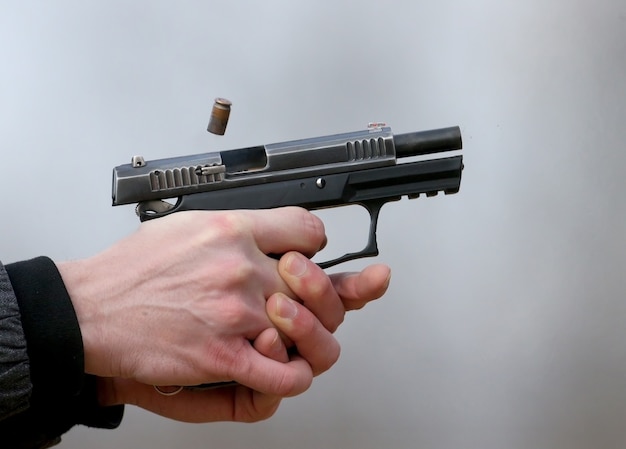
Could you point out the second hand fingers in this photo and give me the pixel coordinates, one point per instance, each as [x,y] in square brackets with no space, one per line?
[357,289]
[313,288]
[314,342]
[270,344]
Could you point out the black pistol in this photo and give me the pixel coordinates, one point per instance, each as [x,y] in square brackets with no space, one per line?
[360,168]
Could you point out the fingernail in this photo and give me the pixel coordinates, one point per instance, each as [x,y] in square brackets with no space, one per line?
[296,265]
[277,344]
[285,308]
[324,243]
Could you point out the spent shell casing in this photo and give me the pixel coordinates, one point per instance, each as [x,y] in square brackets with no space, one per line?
[219,116]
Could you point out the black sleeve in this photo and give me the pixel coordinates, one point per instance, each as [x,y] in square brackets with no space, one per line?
[15,385]
[62,395]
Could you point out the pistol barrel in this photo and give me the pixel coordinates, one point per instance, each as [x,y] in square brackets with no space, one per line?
[427,142]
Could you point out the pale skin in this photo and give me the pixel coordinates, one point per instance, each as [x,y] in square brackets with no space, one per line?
[195,298]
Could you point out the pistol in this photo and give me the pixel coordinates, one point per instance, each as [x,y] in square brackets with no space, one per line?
[359,168]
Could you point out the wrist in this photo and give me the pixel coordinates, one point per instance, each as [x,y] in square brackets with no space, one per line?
[79,282]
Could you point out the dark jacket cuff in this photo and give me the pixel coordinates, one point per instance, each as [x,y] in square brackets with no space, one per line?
[62,394]
[53,339]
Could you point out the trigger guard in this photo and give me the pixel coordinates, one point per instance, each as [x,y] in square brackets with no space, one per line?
[371,249]
[152,209]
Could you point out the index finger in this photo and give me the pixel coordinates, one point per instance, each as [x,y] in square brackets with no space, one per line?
[283,229]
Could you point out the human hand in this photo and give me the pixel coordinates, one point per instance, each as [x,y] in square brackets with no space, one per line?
[330,296]
[179,301]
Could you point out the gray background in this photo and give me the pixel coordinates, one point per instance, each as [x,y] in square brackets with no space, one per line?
[504,323]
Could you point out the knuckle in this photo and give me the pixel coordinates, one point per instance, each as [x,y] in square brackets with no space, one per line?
[314,283]
[331,356]
[222,362]
[294,384]
[235,314]
[319,287]
[229,225]
[238,271]
[233,361]
[257,415]
[316,289]
[305,326]
[336,322]
[284,385]
[312,226]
